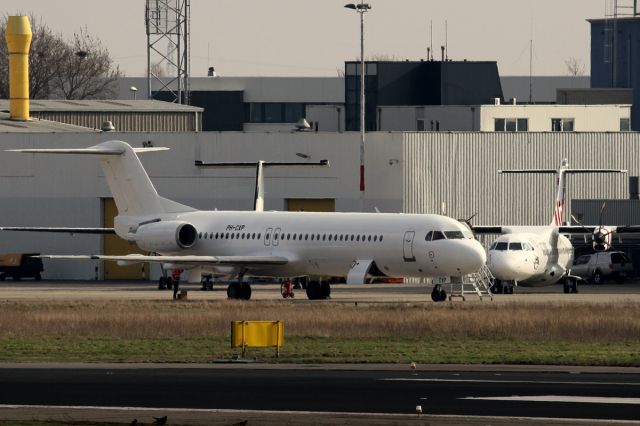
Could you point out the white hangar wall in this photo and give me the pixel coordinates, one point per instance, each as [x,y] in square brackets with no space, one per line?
[405,172]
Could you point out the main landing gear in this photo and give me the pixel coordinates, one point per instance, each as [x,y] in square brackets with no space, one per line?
[165,283]
[502,287]
[570,285]
[207,283]
[239,289]
[318,290]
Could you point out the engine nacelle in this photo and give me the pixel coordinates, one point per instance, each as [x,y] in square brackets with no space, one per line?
[166,236]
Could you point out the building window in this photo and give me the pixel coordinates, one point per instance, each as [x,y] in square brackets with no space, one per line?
[511,124]
[562,124]
[274,112]
[625,125]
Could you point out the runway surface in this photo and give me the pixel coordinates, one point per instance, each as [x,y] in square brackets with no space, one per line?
[587,396]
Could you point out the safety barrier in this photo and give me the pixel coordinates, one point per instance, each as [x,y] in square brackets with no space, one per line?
[257,334]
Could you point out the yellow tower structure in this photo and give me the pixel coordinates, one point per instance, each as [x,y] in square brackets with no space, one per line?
[18,36]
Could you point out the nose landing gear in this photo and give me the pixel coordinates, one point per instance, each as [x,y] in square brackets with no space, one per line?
[438,294]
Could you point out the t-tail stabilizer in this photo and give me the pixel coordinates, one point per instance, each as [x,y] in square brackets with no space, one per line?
[129,183]
[561,181]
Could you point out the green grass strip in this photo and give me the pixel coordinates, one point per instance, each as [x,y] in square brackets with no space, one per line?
[321,349]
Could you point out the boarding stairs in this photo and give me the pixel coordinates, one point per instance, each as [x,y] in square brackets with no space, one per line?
[478,283]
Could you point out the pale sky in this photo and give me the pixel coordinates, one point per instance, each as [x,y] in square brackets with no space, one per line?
[314,38]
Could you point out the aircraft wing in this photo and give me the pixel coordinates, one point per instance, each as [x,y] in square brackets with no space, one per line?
[58,229]
[573,230]
[185,260]
[578,229]
[483,229]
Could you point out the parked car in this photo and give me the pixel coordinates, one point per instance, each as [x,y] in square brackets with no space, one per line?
[601,266]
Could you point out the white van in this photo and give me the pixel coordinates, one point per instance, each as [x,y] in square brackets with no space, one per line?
[601,266]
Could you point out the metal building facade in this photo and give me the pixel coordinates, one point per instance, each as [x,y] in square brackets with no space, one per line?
[457,172]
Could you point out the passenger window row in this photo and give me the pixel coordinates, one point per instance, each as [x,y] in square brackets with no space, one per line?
[290,236]
[230,236]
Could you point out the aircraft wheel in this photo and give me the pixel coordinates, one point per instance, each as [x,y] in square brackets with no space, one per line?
[438,294]
[313,290]
[169,282]
[245,291]
[325,290]
[497,286]
[598,278]
[566,287]
[161,284]
[38,277]
[574,286]
[234,291]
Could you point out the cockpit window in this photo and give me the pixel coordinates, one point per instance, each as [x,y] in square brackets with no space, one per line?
[434,235]
[527,246]
[454,235]
[515,246]
[501,246]
[493,246]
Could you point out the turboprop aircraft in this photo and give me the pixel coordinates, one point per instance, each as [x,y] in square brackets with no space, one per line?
[272,244]
[533,256]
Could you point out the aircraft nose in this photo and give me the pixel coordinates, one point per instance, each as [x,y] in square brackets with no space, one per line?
[505,267]
[475,257]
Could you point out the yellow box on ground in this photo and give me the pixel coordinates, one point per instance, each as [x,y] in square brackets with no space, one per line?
[257,334]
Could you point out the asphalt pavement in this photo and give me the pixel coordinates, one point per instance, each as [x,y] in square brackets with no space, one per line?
[331,395]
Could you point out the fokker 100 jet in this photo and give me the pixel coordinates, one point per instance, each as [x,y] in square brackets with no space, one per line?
[271,243]
[533,256]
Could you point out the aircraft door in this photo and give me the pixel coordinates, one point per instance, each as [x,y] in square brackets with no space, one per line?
[407,246]
[268,235]
[276,236]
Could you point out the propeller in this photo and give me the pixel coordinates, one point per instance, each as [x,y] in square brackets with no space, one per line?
[468,222]
[601,235]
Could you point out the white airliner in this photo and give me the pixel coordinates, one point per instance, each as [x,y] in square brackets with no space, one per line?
[273,244]
[542,255]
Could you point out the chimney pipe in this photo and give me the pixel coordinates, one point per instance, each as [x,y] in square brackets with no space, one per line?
[18,37]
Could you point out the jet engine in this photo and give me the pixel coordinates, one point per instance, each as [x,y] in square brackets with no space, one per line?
[601,238]
[166,236]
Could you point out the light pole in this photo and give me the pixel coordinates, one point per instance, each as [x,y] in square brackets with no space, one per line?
[361,8]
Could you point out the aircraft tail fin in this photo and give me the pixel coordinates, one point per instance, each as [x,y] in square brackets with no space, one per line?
[561,185]
[129,183]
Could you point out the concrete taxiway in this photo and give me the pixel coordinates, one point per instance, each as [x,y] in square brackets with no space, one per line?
[372,293]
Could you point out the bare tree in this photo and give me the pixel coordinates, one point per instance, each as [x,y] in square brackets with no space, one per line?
[89,71]
[80,69]
[574,67]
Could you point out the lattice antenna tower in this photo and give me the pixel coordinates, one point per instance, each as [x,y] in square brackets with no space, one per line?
[168,48]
